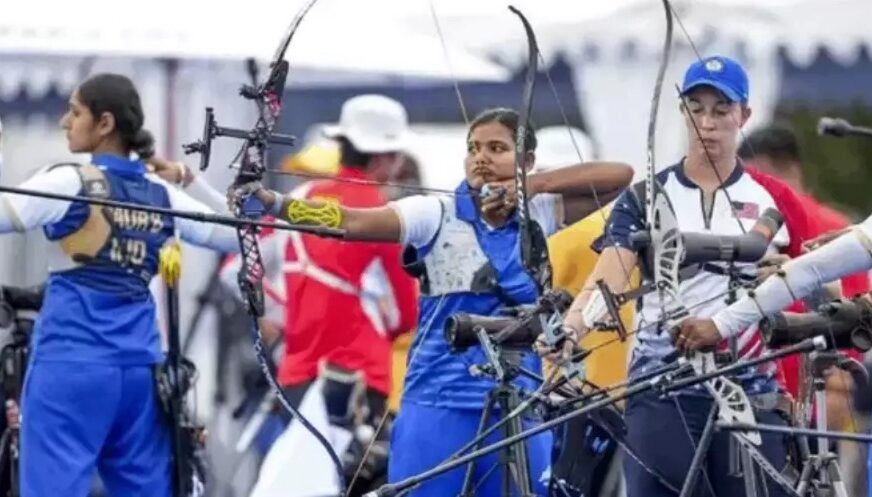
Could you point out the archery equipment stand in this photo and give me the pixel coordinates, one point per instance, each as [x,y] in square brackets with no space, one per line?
[821,475]
[504,398]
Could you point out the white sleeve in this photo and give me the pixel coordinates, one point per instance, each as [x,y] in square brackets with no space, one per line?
[25,212]
[210,235]
[201,190]
[547,210]
[420,218]
[848,254]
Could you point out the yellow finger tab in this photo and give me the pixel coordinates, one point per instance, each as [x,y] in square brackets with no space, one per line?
[329,214]
[170,264]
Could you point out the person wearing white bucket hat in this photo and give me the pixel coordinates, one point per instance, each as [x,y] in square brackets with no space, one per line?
[374,124]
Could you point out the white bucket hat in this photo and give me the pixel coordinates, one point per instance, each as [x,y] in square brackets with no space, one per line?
[373,124]
[556,147]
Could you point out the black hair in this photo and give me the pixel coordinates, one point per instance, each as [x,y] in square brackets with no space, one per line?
[508,118]
[349,156]
[776,141]
[115,94]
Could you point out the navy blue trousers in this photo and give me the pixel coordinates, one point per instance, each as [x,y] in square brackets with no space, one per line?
[655,429]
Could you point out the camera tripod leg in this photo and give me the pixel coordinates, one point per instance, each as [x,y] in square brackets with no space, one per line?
[835,473]
[808,468]
[701,450]
[517,462]
[468,489]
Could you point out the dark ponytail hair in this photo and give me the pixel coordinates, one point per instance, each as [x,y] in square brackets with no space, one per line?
[115,94]
[508,118]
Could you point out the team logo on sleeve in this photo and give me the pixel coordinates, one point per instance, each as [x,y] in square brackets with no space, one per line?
[96,188]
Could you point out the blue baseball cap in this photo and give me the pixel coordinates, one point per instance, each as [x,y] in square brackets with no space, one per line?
[721,73]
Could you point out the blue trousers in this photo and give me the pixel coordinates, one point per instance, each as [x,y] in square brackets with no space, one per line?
[78,417]
[656,431]
[425,436]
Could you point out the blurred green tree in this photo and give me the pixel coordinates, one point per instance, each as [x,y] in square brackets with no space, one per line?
[838,171]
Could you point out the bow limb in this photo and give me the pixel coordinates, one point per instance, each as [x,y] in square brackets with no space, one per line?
[533,262]
[268,98]
[733,403]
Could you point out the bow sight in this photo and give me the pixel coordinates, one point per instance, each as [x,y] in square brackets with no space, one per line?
[516,331]
[258,135]
[268,98]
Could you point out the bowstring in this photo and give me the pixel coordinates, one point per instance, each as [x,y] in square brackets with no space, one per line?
[448,65]
[600,207]
[642,324]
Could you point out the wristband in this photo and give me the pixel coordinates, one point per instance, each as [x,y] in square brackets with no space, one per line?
[329,214]
[276,210]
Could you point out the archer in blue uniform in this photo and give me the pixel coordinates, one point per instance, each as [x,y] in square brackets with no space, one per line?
[455,239]
[89,399]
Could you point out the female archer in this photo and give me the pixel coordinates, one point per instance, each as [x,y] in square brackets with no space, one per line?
[452,240]
[709,191]
[89,399]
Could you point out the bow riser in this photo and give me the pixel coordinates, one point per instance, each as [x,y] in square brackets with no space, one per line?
[268,98]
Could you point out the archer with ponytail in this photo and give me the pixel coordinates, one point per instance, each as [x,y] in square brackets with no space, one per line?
[89,400]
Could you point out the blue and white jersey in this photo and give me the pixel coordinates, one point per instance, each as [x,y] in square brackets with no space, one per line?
[454,243]
[97,306]
[704,293]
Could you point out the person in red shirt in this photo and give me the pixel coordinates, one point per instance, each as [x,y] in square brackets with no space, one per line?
[775,150]
[344,303]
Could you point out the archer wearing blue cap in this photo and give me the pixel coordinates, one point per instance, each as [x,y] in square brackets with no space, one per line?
[721,73]
[710,191]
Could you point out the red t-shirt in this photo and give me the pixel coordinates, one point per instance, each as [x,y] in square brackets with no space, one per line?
[325,322]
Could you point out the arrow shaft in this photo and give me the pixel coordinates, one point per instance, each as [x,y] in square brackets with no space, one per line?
[203,217]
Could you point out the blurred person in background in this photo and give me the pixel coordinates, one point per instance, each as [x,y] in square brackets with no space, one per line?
[322,156]
[365,282]
[775,150]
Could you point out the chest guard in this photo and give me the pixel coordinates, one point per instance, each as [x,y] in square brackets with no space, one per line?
[454,262]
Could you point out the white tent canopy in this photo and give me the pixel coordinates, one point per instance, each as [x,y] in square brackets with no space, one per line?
[616,55]
[336,36]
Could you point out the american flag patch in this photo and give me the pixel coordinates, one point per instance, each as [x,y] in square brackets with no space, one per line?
[746,210]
